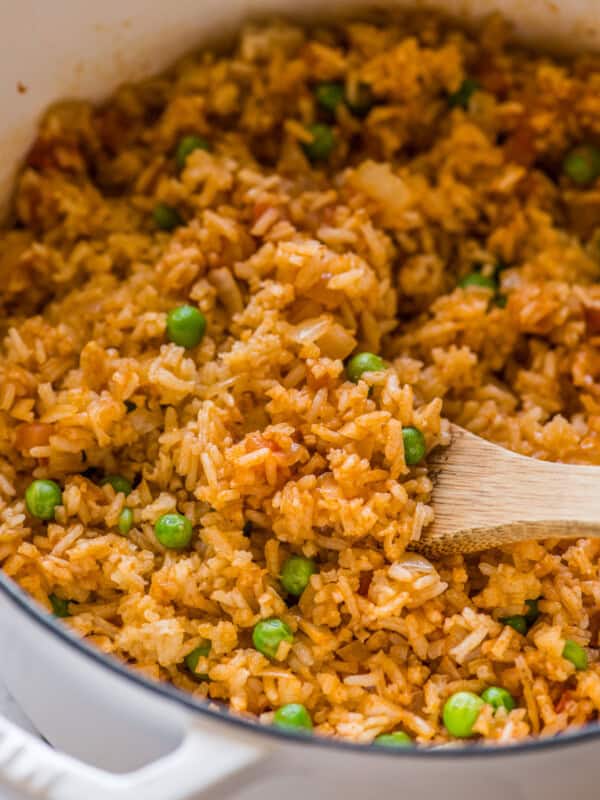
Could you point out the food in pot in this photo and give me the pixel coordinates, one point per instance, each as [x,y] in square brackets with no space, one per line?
[239,304]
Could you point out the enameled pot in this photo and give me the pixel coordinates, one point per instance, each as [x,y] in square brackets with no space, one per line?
[127,737]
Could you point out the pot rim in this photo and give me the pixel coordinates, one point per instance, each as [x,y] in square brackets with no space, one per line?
[19,598]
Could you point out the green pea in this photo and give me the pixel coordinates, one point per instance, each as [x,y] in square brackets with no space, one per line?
[582,165]
[295,574]
[322,144]
[462,97]
[497,697]
[330,95]
[395,739]
[501,300]
[517,622]
[173,531]
[361,363]
[477,279]
[533,612]
[186,326]
[362,101]
[186,146]
[118,483]
[166,217]
[192,658]
[293,717]
[125,522]
[42,497]
[576,654]
[60,606]
[461,711]
[268,635]
[414,445]
[522,622]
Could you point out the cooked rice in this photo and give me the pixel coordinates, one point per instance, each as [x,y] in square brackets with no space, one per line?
[296,267]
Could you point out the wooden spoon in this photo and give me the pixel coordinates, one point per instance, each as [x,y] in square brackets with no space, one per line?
[486,496]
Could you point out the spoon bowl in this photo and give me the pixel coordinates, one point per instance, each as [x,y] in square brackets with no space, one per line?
[486,496]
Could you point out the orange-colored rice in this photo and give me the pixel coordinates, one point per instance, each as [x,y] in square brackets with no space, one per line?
[295,268]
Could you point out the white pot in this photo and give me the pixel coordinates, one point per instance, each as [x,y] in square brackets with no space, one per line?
[127,737]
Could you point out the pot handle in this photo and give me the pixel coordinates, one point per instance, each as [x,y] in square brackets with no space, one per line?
[202,759]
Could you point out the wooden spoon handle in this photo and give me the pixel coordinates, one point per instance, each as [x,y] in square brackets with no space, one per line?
[486,496]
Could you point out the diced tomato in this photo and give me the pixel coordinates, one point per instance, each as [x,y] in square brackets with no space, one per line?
[41,155]
[32,434]
[364,583]
[565,699]
[520,146]
[592,318]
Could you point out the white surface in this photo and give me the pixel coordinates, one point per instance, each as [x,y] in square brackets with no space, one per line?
[31,767]
[10,709]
